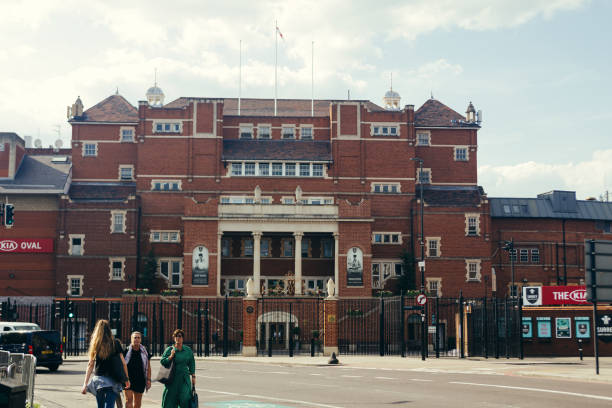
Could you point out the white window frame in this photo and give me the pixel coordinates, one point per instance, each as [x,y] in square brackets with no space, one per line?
[303,166]
[438,282]
[249,165]
[467,153]
[173,124]
[95,147]
[383,265]
[524,255]
[71,247]
[535,255]
[386,188]
[236,169]
[123,167]
[69,279]
[477,272]
[259,169]
[387,238]
[285,128]
[111,272]
[469,216]
[286,169]
[171,184]
[245,129]
[267,126]
[308,128]
[424,171]
[420,142]
[114,230]
[378,129]
[165,236]
[170,261]
[438,247]
[288,200]
[315,167]
[130,129]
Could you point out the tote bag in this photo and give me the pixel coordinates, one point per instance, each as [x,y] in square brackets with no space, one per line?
[165,375]
[193,403]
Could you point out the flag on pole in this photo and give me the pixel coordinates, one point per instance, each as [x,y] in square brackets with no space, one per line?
[279,33]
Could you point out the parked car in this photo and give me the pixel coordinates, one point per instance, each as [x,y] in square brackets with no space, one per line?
[45,345]
[10,326]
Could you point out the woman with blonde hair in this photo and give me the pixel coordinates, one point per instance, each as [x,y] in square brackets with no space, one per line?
[139,370]
[108,366]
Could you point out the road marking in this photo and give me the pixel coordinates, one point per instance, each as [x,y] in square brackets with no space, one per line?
[208,376]
[316,374]
[314,404]
[574,394]
[351,376]
[420,379]
[277,372]
[385,378]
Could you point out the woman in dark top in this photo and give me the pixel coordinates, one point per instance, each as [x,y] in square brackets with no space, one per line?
[103,352]
[139,370]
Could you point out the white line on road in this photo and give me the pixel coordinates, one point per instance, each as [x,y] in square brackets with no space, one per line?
[314,404]
[316,374]
[278,372]
[351,376]
[420,379]
[208,376]
[574,394]
[385,378]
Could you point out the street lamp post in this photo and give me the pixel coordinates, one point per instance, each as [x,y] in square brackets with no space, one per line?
[509,246]
[422,264]
[421,238]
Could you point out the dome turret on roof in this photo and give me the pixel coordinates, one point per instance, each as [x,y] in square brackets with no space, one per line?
[155,96]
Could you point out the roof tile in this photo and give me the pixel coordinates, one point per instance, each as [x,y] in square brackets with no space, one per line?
[276,150]
[115,108]
[436,114]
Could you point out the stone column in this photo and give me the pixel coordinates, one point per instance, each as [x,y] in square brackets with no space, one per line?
[249,327]
[256,261]
[330,326]
[219,253]
[298,262]
[336,262]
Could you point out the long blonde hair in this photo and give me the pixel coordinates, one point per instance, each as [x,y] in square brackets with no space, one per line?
[102,342]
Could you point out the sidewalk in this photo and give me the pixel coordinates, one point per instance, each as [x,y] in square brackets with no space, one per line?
[568,368]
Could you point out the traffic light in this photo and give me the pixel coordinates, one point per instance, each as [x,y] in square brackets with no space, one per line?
[1,213]
[508,245]
[59,309]
[9,210]
[70,309]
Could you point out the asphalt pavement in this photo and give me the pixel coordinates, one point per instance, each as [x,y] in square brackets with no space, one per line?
[365,381]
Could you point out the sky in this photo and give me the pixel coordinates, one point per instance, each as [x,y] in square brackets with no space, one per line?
[538,69]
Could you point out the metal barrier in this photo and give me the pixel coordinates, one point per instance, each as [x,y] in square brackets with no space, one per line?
[19,368]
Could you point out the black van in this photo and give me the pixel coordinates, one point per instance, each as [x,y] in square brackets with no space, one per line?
[45,345]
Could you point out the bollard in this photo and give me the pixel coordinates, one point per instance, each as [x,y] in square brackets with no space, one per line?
[580,348]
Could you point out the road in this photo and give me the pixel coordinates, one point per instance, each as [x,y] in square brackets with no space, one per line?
[239,384]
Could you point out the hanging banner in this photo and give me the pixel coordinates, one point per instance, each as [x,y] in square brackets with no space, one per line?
[29,245]
[554,295]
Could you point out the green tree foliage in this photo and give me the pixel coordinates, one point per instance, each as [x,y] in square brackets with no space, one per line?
[147,274]
[408,279]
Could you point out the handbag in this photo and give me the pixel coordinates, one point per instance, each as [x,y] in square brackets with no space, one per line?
[193,402]
[165,375]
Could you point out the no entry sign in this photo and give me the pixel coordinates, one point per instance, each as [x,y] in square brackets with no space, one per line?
[421,299]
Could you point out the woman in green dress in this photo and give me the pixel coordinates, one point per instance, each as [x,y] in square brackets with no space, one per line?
[178,393]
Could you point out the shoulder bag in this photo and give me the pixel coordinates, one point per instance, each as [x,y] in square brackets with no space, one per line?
[193,402]
[165,375]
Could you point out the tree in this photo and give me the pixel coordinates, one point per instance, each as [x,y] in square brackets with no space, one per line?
[149,269]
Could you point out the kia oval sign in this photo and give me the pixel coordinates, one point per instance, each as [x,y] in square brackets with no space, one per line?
[554,295]
[26,245]
[8,246]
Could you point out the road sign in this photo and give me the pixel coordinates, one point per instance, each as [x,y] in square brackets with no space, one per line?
[598,270]
[421,299]
[431,329]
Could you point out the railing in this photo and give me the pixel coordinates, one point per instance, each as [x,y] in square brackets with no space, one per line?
[19,368]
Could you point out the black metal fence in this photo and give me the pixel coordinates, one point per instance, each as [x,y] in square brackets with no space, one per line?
[385,326]
[289,326]
[495,327]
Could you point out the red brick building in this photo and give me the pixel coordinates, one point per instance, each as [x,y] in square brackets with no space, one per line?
[291,193]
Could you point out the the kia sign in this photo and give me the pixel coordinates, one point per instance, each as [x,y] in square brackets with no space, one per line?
[40,245]
[554,295]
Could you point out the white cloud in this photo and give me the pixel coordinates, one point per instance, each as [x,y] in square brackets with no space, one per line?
[588,178]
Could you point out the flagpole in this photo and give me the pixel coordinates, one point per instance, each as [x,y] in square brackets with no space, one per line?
[312,79]
[240,79]
[275,63]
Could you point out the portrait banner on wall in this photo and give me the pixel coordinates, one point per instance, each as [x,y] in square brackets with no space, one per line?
[527,328]
[563,327]
[354,267]
[199,268]
[583,327]
[544,327]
